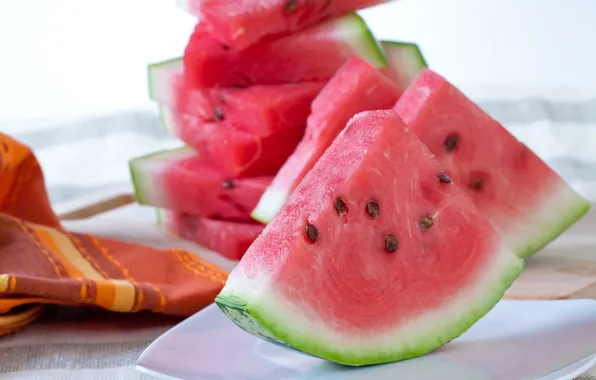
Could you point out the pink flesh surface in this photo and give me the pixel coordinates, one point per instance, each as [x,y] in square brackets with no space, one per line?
[356,87]
[240,24]
[515,179]
[228,238]
[236,152]
[262,110]
[347,278]
[193,186]
[312,55]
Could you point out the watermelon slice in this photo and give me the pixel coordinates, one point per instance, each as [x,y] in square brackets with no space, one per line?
[238,153]
[180,180]
[262,110]
[375,257]
[240,24]
[312,54]
[357,86]
[526,201]
[405,62]
[230,239]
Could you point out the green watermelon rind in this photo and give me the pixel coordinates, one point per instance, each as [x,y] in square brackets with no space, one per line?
[361,38]
[155,69]
[565,198]
[145,187]
[414,52]
[404,61]
[259,319]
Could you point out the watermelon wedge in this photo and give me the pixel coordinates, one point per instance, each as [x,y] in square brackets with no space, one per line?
[404,62]
[357,86]
[230,239]
[262,110]
[312,54]
[240,24]
[237,153]
[179,179]
[376,256]
[525,200]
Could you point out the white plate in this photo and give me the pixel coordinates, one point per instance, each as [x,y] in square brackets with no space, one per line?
[517,340]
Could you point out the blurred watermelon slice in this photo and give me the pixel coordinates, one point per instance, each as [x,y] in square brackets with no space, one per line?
[236,152]
[315,53]
[239,24]
[229,238]
[181,180]
[262,110]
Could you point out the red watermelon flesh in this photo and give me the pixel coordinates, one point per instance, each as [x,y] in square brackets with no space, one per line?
[230,239]
[526,201]
[376,256]
[312,54]
[237,153]
[262,110]
[357,86]
[240,24]
[181,180]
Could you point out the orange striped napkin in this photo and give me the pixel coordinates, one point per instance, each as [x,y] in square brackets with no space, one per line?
[41,263]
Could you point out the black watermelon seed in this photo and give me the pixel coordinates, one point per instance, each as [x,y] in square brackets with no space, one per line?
[312,233]
[218,114]
[225,47]
[391,243]
[451,143]
[476,184]
[228,184]
[426,222]
[372,209]
[444,178]
[341,206]
[291,6]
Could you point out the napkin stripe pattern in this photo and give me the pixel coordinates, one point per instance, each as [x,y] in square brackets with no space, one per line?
[79,269]
[42,263]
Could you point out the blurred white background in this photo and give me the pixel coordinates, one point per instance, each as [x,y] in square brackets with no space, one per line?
[87,57]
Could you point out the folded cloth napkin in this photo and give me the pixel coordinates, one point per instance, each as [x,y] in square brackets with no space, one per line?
[41,263]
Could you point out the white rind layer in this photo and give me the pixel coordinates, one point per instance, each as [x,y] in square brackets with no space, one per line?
[281,318]
[556,212]
[269,204]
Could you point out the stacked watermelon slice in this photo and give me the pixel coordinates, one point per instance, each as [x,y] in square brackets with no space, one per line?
[245,105]
[377,211]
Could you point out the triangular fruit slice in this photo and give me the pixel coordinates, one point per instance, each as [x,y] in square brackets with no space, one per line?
[404,62]
[525,200]
[262,110]
[375,257]
[312,54]
[180,180]
[240,24]
[238,153]
[357,86]
[229,238]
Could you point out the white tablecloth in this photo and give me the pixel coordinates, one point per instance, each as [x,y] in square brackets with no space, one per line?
[83,156]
